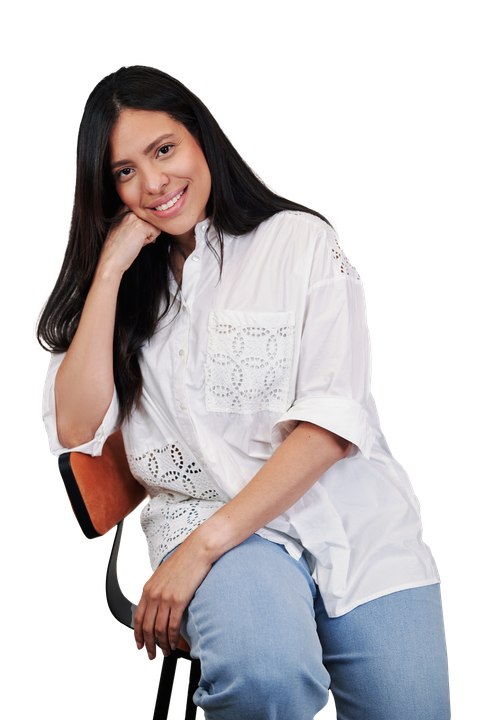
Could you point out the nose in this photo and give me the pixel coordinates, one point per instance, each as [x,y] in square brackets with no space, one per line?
[154,180]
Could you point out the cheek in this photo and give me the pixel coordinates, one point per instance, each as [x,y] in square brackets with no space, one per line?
[201,171]
[125,194]
[206,180]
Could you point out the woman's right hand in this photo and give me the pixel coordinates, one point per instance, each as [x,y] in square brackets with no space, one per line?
[124,242]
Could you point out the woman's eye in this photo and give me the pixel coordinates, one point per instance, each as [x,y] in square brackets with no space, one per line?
[125,172]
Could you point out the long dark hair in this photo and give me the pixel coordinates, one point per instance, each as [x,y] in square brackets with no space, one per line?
[238,203]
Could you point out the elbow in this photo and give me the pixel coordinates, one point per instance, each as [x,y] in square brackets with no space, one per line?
[73,437]
[74,426]
[336,446]
[340,447]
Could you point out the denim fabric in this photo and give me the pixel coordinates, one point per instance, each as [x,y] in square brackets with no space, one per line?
[269,651]
[387,658]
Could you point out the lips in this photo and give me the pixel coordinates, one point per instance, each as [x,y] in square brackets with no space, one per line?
[171,205]
[168,201]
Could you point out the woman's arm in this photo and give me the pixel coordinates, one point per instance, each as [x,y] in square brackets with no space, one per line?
[306,454]
[85,383]
[85,380]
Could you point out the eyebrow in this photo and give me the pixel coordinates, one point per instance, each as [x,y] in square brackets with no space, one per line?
[148,149]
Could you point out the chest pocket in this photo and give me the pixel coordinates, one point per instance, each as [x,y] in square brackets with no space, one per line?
[249,361]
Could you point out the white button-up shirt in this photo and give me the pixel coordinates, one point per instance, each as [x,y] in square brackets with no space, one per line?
[280,338]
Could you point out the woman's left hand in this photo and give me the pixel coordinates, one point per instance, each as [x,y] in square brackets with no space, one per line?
[167,594]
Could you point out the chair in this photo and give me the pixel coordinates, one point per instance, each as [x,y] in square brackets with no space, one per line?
[102,492]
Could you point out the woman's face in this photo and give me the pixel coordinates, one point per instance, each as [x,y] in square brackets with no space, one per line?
[160,172]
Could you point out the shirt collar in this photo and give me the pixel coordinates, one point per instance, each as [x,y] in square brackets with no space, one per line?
[204,230]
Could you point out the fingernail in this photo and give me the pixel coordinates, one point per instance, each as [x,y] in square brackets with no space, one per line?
[139,645]
[165,653]
[173,646]
[151,657]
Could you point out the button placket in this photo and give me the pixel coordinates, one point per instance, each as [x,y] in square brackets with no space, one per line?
[192,268]
[190,279]
[180,350]
[180,356]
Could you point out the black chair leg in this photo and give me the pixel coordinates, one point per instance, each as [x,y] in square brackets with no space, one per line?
[165,687]
[191,707]
[166,684]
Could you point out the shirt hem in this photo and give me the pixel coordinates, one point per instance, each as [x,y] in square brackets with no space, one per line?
[382,593]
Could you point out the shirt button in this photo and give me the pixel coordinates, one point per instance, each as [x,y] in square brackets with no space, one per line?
[204,228]
[195,258]
[181,352]
[184,308]
[181,406]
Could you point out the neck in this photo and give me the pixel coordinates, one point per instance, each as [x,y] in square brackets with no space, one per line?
[186,242]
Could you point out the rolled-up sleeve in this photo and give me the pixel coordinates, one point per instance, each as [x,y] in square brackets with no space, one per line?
[332,385]
[107,427]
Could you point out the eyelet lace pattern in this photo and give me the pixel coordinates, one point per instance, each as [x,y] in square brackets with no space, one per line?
[342,262]
[182,497]
[248,367]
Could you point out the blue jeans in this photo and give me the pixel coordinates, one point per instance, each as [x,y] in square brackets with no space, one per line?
[269,651]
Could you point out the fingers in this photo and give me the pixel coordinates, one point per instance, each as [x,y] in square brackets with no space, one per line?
[166,595]
[125,240]
[144,627]
[147,625]
[138,622]
[155,626]
[174,628]
[157,619]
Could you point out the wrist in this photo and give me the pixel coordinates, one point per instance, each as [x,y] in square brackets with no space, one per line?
[106,273]
[213,538]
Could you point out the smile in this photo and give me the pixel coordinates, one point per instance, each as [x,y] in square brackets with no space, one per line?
[171,203]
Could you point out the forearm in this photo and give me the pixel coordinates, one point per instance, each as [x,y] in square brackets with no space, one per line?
[85,382]
[306,454]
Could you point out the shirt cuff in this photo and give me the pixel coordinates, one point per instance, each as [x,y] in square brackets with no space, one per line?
[340,415]
[94,446]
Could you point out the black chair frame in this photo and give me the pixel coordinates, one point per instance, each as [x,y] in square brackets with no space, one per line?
[124,610]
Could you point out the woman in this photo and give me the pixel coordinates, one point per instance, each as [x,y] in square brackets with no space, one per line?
[223,329]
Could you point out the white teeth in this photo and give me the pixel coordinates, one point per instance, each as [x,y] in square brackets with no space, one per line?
[171,202]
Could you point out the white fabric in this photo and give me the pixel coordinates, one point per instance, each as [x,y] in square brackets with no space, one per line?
[237,363]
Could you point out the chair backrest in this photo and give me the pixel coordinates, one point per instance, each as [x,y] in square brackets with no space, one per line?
[102,490]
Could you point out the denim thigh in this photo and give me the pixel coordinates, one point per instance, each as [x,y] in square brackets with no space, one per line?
[255,623]
[387,658]
[251,623]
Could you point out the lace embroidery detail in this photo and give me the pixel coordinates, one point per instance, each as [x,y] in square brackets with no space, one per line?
[248,366]
[342,262]
[182,497]
[167,521]
[172,468]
